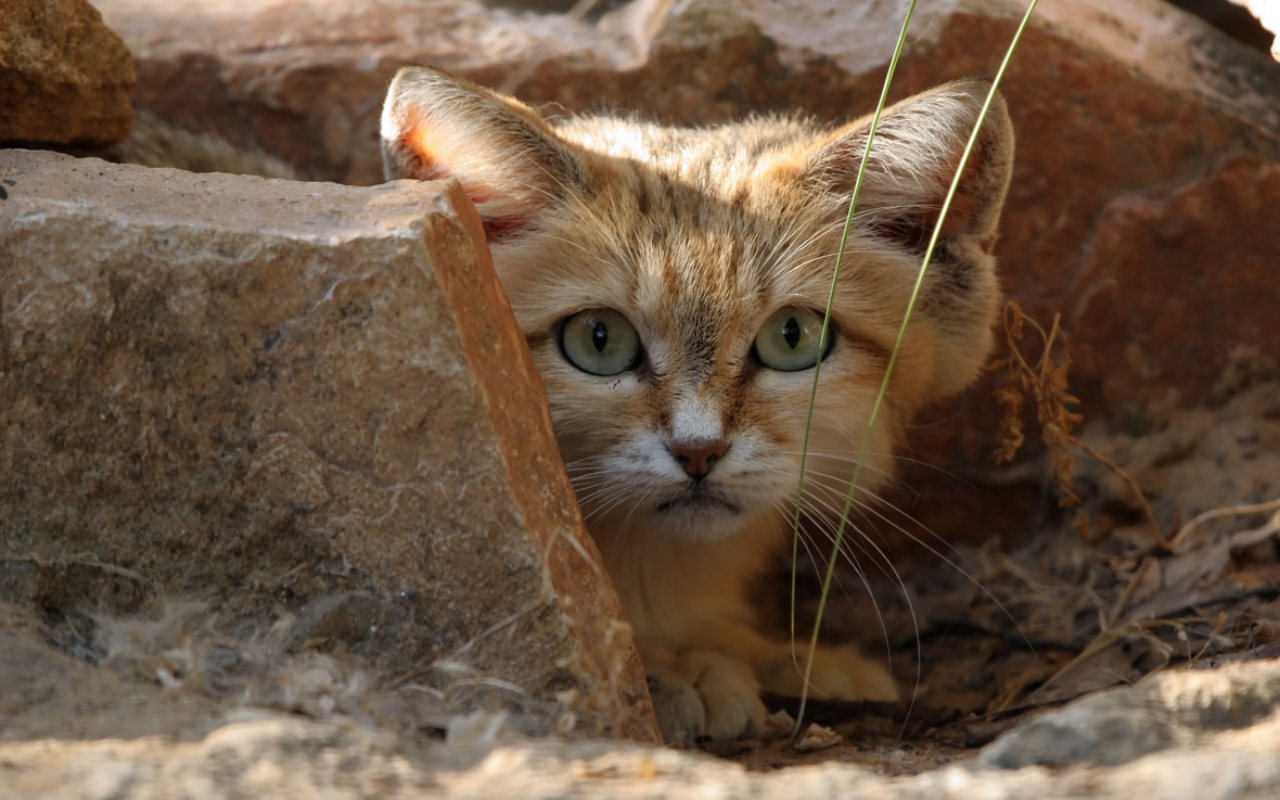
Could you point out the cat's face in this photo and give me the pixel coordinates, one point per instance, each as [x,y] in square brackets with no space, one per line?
[672,285]
[678,346]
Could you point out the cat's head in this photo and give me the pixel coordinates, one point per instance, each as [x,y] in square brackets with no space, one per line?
[671,284]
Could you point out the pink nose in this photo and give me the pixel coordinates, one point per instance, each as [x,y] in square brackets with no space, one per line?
[699,456]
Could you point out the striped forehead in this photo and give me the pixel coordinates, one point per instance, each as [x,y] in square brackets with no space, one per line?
[696,240]
[693,284]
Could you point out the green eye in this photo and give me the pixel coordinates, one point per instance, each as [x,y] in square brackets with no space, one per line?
[788,340]
[600,341]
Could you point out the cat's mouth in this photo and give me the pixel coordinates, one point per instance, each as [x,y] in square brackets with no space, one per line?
[698,499]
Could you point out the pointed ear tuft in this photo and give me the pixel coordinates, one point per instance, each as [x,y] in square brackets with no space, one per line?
[510,163]
[913,159]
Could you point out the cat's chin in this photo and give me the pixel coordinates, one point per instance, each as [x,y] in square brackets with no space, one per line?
[700,517]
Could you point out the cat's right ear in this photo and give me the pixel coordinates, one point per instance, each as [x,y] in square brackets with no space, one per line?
[510,163]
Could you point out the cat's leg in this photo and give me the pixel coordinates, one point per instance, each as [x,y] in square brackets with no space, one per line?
[839,673]
[703,693]
[682,717]
[714,691]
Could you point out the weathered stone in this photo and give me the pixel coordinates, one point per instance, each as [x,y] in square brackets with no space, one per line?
[1167,710]
[1115,106]
[261,394]
[1188,264]
[289,757]
[65,77]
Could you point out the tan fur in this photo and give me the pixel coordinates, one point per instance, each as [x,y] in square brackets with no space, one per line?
[696,237]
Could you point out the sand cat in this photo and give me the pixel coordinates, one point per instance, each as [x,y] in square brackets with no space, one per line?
[671,283]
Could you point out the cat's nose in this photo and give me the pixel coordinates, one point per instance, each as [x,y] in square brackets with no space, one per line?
[698,457]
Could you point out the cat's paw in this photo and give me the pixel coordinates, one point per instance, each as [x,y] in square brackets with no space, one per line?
[681,715]
[839,673]
[706,695]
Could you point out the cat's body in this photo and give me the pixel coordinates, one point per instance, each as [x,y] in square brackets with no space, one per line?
[671,285]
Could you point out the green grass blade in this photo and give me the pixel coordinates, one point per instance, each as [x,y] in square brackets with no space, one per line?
[831,299]
[829,574]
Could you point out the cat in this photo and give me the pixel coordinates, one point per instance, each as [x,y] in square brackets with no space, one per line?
[671,283]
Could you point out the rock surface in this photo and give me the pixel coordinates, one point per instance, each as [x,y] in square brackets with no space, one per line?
[1227,736]
[1189,264]
[286,398]
[1169,710]
[1130,118]
[65,77]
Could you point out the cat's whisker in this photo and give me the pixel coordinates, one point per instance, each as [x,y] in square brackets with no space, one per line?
[853,440]
[809,548]
[886,504]
[587,462]
[643,498]
[592,496]
[584,464]
[862,576]
[814,518]
[872,509]
[890,571]
[590,479]
[972,579]
[605,500]
[586,485]
[831,512]
[848,459]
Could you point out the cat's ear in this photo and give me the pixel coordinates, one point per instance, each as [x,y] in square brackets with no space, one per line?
[510,163]
[915,154]
[913,160]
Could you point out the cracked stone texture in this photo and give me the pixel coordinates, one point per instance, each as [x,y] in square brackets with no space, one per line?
[1223,737]
[1130,117]
[265,394]
[65,77]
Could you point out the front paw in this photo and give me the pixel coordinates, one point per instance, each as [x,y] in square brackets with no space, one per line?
[839,673]
[706,695]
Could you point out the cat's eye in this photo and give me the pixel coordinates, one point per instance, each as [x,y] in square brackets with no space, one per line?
[600,341]
[788,341]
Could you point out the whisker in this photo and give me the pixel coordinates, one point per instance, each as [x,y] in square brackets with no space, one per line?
[906,594]
[869,508]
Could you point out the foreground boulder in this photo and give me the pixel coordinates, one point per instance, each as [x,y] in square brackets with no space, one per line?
[1222,747]
[65,77]
[1142,206]
[288,401]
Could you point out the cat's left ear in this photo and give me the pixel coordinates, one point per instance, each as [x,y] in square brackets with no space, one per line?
[913,160]
[510,163]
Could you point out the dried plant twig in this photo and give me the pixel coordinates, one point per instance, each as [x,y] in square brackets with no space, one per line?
[1046,382]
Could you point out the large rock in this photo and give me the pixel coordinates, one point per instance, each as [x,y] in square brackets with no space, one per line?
[65,77]
[1226,751]
[1167,711]
[276,397]
[1130,117]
